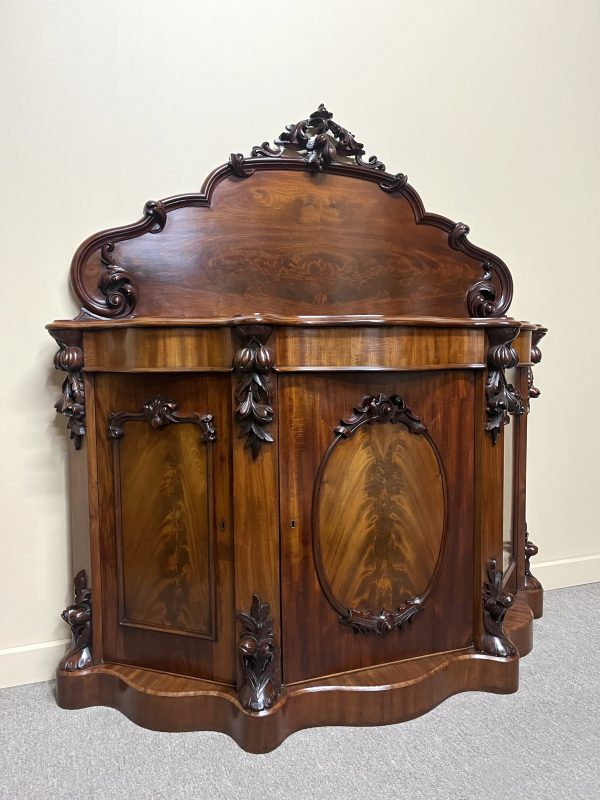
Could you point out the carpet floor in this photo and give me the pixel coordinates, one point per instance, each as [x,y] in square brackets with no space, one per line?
[542,742]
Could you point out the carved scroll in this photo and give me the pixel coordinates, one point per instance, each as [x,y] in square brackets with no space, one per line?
[495,605]
[79,617]
[383,622]
[116,284]
[72,401]
[160,412]
[502,397]
[259,658]
[254,393]
[536,357]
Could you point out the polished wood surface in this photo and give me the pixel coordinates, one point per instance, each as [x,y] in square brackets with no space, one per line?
[304,414]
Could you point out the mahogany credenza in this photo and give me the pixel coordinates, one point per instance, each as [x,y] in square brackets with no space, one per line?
[300,412]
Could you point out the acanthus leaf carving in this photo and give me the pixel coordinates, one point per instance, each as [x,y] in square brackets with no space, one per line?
[380,408]
[71,403]
[259,658]
[482,295]
[116,284]
[383,622]
[160,412]
[531,550]
[536,357]
[496,603]
[502,397]
[254,393]
[79,617]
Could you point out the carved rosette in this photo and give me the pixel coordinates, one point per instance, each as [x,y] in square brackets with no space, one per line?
[160,412]
[259,658]
[536,357]
[72,401]
[79,618]
[254,392]
[502,397]
[495,605]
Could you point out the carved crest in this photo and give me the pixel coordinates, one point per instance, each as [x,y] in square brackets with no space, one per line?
[380,409]
[495,605]
[259,657]
[79,618]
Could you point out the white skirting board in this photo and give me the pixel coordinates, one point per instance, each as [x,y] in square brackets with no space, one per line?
[31,663]
[567,571]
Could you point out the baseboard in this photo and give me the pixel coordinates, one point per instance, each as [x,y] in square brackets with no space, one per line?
[30,663]
[567,571]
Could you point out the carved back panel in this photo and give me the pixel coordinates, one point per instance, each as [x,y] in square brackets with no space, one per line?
[306,227]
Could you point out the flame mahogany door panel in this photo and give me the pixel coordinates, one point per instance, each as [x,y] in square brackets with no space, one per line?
[377,519]
[166,534]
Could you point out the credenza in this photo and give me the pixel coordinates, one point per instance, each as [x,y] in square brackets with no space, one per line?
[299,416]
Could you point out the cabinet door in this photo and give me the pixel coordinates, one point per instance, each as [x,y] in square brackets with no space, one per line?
[165,530]
[376,518]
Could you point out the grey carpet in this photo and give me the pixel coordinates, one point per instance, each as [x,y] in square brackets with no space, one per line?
[543,742]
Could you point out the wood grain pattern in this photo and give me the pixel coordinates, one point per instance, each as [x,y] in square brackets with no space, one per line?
[180,509]
[380,517]
[147,349]
[310,406]
[286,241]
[166,528]
[377,348]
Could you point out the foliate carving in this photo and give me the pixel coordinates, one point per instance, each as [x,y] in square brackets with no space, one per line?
[482,295]
[72,401]
[383,622]
[457,235]
[380,409]
[531,550]
[160,412]
[254,393]
[536,357]
[502,397]
[79,617]
[495,605]
[116,284]
[259,658]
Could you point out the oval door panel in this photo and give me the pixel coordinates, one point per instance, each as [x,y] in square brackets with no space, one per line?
[379,514]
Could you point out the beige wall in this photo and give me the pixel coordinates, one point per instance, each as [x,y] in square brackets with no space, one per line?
[491,108]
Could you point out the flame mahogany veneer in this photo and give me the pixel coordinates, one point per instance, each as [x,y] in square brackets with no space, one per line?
[302,413]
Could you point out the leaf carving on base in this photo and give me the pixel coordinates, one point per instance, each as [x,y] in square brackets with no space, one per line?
[79,617]
[259,658]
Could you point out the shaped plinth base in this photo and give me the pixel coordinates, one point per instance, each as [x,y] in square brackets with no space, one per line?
[376,696]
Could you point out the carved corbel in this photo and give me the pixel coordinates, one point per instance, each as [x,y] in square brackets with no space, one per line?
[536,357]
[502,397]
[495,605]
[72,402]
[254,394]
[259,658]
[79,617]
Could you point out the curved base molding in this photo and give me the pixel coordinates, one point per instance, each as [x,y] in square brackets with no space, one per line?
[377,696]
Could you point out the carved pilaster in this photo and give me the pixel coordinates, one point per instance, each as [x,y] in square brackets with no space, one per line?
[259,657]
[254,394]
[72,401]
[502,397]
[79,617]
[495,605]
[536,357]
